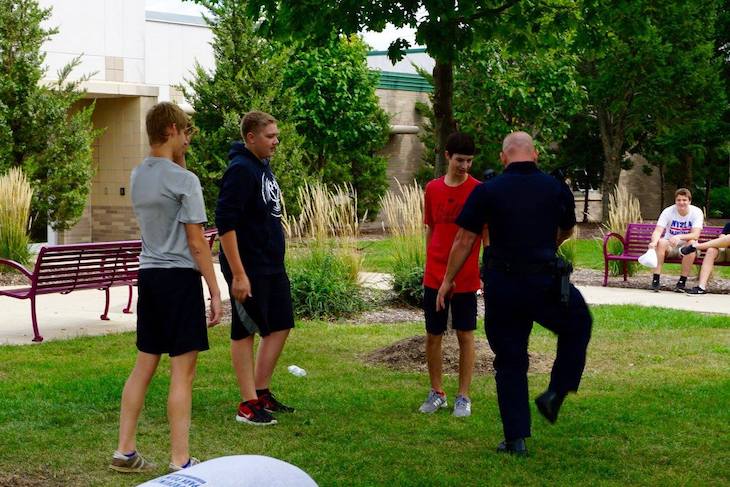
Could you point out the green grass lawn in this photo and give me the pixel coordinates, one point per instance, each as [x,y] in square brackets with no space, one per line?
[589,255]
[652,410]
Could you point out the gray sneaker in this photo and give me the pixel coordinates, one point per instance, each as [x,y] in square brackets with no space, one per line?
[462,406]
[433,402]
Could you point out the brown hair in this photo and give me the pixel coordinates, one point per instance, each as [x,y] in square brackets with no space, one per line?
[161,117]
[683,192]
[254,121]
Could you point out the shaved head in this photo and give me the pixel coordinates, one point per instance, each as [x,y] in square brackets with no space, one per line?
[518,146]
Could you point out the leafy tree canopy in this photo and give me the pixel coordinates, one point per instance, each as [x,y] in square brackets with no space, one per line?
[324,97]
[43,128]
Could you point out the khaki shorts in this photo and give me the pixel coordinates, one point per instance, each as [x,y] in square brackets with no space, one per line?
[673,252]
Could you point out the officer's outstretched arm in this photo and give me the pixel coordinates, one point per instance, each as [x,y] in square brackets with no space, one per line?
[460,250]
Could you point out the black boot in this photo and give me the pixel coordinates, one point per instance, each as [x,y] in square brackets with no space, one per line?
[548,403]
[515,447]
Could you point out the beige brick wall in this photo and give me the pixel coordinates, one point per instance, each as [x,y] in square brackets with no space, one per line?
[404,151]
[116,152]
[81,232]
[114,223]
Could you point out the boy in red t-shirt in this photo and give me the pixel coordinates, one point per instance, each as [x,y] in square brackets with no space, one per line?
[444,199]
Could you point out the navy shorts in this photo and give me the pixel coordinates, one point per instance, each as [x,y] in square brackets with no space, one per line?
[171,312]
[463,312]
[269,307]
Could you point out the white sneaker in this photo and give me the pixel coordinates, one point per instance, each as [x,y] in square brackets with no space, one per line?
[176,468]
[462,406]
[434,401]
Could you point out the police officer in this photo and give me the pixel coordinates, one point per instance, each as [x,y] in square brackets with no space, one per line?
[528,214]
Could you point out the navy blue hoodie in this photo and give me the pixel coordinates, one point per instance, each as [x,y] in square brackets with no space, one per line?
[250,204]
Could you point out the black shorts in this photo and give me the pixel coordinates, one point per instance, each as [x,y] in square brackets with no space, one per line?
[463,312]
[269,306]
[171,312]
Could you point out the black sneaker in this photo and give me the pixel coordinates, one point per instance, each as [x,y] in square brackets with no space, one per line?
[270,404]
[680,287]
[252,412]
[655,286]
[696,290]
[687,249]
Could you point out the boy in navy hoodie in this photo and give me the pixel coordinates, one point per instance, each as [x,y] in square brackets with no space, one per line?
[248,217]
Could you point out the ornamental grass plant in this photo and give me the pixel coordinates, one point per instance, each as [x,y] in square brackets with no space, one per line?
[623,208]
[322,259]
[403,219]
[15,197]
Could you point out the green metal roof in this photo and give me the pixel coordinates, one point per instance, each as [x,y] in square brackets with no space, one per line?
[390,80]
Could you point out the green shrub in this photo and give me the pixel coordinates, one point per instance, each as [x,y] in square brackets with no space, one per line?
[720,202]
[408,281]
[324,283]
[15,198]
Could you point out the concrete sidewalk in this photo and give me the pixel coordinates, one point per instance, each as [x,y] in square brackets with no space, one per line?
[77,314]
[72,315]
[709,303]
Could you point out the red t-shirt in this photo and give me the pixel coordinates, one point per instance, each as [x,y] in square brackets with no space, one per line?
[442,205]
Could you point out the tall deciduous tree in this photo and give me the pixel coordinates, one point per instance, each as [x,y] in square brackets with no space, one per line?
[446,28]
[42,128]
[324,97]
[647,71]
[249,75]
[336,110]
[499,89]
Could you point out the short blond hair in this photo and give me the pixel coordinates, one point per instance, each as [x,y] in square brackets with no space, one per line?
[254,121]
[161,117]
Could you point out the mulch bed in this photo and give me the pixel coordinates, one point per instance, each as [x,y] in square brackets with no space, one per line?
[409,355]
[591,277]
[13,279]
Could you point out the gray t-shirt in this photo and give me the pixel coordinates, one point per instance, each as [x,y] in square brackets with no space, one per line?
[165,197]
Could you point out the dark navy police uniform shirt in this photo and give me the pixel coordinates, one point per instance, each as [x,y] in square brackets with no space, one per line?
[523,208]
[250,203]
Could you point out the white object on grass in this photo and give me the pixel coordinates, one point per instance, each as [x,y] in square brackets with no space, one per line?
[237,471]
[296,370]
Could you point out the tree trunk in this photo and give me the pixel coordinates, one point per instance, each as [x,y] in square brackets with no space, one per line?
[612,141]
[443,111]
[685,172]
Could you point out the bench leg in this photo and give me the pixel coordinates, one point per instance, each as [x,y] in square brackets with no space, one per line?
[626,270]
[36,334]
[605,272]
[128,309]
[105,316]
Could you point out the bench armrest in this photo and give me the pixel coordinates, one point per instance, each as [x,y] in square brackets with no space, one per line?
[607,237]
[17,267]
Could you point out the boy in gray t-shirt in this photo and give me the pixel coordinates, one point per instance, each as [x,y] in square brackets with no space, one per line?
[168,203]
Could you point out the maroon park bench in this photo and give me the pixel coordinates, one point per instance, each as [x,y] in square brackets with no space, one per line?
[66,268]
[636,243]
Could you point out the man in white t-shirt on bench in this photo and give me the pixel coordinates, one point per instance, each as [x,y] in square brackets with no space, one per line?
[676,227]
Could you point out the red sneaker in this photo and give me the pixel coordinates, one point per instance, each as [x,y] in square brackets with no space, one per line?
[252,412]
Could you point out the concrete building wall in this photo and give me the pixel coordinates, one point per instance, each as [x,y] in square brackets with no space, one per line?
[171,51]
[109,36]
